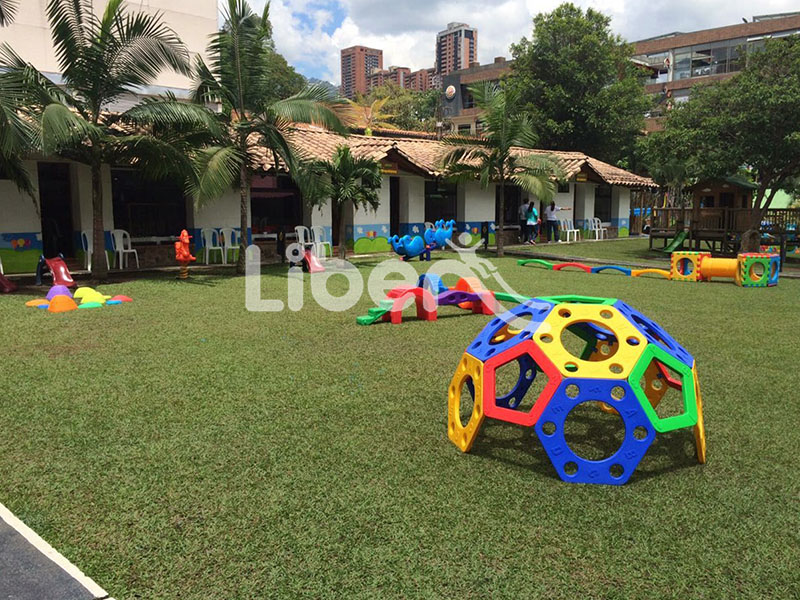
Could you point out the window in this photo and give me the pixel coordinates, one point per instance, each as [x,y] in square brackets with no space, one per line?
[440,201]
[602,203]
[467,101]
[465,129]
[146,208]
[563,187]
[683,64]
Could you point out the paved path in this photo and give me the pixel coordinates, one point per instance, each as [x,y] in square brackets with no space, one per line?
[30,569]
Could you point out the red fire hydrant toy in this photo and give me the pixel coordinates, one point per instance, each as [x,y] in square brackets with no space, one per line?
[182,253]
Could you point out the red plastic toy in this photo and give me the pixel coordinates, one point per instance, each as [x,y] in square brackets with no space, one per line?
[182,253]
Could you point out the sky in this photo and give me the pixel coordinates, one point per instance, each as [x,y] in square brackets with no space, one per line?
[310,33]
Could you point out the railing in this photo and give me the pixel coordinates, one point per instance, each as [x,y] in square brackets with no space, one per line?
[724,221]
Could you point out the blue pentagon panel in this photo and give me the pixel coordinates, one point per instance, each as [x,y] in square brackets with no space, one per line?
[513,398]
[617,468]
[655,334]
[432,282]
[492,341]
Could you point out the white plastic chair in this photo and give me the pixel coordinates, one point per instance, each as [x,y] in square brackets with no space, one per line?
[86,243]
[568,229]
[121,244]
[319,241]
[230,242]
[210,238]
[596,227]
[303,235]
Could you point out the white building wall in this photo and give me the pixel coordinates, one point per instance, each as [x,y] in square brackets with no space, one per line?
[412,205]
[621,210]
[370,228]
[584,204]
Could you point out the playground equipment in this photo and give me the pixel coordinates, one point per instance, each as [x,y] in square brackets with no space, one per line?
[626,367]
[59,299]
[57,269]
[183,255]
[676,242]
[436,237]
[755,269]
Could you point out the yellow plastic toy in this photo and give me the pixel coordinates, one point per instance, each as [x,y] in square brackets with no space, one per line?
[470,373]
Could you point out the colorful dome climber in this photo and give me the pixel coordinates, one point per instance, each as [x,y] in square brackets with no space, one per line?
[625,366]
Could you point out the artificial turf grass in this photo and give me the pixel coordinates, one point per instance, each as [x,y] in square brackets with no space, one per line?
[180,446]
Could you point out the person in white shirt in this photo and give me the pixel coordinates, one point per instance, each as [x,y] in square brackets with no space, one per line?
[551,221]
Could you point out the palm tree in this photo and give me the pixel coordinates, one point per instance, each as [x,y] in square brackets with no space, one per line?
[370,116]
[237,79]
[495,155]
[101,59]
[345,180]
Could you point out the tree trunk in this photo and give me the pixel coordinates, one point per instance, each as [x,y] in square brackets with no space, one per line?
[342,232]
[244,205]
[498,232]
[99,268]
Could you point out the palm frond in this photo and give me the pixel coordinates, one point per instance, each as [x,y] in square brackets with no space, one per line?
[13,168]
[170,112]
[315,104]
[60,128]
[8,10]
[216,170]
[68,18]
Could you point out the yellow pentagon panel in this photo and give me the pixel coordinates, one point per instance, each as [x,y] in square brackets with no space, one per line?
[621,344]
[699,428]
[469,373]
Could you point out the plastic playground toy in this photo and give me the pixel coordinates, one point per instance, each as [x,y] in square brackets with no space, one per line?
[57,268]
[626,367]
[59,299]
[409,247]
[756,269]
[183,255]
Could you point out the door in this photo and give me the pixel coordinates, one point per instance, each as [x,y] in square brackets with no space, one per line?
[394,206]
[55,197]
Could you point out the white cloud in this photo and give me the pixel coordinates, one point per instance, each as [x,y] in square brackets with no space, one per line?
[406,31]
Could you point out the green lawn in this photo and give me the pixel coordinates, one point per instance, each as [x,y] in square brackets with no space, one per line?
[182,447]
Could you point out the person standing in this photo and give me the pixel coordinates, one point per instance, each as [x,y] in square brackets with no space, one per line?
[532,223]
[523,222]
[550,220]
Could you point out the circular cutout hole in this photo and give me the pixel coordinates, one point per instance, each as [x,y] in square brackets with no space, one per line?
[546,338]
[529,374]
[757,271]
[572,391]
[605,349]
[570,468]
[467,402]
[571,367]
[615,368]
[564,313]
[589,340]
[606,314]
[593,434]
[616,471]
[685,266]
[618,392]
[548,428]
[657,385]
[639,433]
[632,341]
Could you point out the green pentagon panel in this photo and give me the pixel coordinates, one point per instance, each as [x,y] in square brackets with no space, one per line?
[578,299]
[536,261]
[689,416]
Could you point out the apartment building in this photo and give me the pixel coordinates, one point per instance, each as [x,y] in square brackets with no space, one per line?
[357,64]
[397,75]
[456,48]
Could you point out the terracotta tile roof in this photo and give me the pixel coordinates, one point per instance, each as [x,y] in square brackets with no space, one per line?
[426,153]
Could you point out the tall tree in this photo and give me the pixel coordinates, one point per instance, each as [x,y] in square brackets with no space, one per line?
[409,109]
[576,79]
[101,59]
[495,156]
[238,78]
[662,154]
[752,121]
[344,180]
[370,114]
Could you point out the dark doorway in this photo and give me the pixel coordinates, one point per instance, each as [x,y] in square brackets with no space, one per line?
[55,196]
[513,198]
[275,203]
[602,203]
[726,200]
[440,200]
[394,205]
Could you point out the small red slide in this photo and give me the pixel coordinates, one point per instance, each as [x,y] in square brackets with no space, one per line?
[314,266]
[61,274]
[6,285]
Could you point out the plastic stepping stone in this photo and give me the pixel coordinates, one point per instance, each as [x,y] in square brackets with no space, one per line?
[535,261]
[602,268]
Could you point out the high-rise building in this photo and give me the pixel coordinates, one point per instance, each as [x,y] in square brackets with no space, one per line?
[420,81]
[397,75]
[358,63]
[456,48]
